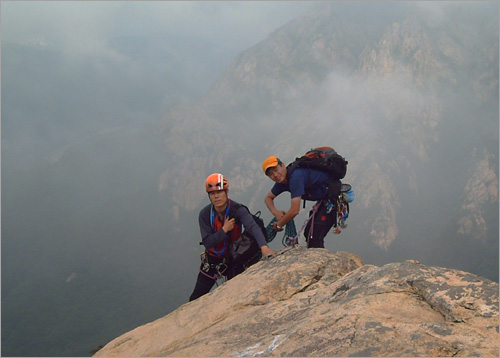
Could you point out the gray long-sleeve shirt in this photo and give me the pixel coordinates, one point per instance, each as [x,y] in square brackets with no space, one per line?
[242,216]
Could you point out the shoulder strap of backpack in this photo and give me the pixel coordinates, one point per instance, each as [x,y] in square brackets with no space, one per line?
[234,208]
[291,167]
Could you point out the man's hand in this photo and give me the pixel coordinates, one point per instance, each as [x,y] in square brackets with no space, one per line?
[266,251]
[276,228]
[279,215]
[228,225]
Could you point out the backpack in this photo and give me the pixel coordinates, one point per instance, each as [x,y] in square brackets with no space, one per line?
[245,251]
[322,158]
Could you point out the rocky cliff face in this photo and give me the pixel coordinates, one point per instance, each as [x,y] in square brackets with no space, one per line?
[310,302]
[408,93]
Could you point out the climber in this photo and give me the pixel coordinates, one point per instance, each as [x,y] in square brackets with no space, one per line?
[219,226]
[307,184]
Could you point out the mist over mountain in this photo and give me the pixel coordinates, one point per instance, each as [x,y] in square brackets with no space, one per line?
[85,232]
[407,93]
[100,201]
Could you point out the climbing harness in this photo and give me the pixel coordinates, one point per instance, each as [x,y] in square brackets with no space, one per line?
[206,266]
[295,240]
[345,197]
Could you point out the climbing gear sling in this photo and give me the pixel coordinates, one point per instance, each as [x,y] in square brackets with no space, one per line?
[295,240]
[206,266]
[290,232]
[346,196]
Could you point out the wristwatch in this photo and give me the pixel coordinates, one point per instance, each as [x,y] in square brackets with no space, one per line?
[279,227]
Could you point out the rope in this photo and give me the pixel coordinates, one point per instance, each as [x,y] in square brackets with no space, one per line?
[295,240]
[291,237]
[214,277]
[271,233]
[290,231]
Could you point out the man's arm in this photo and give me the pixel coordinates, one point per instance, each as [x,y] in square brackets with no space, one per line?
[291,213]
[269,200]
[282,217]
[249,224]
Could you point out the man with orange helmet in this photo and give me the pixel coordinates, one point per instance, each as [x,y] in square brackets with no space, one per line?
[220,224]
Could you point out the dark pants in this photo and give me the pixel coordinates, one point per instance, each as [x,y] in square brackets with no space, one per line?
[320,226]
[204,283]
[323,221]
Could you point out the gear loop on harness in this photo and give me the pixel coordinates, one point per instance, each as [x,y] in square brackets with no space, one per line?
[206,266]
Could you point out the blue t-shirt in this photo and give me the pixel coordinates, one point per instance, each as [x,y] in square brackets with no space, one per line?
[310,184]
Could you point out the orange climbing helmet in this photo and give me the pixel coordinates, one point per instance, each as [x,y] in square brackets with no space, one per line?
[215,182]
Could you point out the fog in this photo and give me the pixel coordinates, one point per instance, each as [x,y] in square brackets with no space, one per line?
[91,248]
[88,248]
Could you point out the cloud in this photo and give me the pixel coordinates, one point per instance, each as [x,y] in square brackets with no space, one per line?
[86,25]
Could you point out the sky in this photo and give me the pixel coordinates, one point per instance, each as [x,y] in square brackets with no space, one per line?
[86,26]
[71,149]
[203,37]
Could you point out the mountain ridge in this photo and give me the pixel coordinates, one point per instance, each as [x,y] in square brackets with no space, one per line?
[389,96]
[311,302]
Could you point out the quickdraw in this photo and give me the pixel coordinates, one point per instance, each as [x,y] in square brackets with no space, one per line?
[343,213]
[206,266]
[346,196]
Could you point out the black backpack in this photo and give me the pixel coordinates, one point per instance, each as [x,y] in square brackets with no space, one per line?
[322,158]
[245,251]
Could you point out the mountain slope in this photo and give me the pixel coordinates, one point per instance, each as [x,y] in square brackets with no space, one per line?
[309,302]
[407,92]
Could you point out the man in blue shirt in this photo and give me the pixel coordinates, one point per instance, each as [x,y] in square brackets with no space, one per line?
[307,184]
